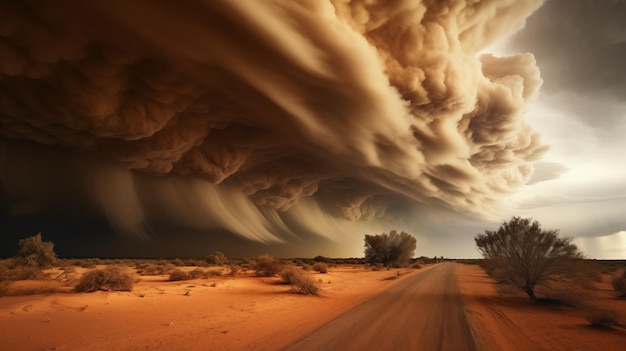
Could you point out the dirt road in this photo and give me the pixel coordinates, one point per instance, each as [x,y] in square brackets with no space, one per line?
[421,312]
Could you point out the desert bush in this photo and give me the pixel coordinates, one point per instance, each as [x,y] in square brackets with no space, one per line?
[35,253]
[108,278]
[299,280]
[267,266]
[86,263]
[320,267]
[619,284]
[304,284]
[393,249]
[233,269]
[4,282]
[288,272]
[197,273]
[177,274]
[416,265]
[526,254]
[25,273]
[214,272]
[155,269]
[603,317]
[217,258]
[178,262]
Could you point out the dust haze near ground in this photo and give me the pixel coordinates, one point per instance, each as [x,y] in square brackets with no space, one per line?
[255,117]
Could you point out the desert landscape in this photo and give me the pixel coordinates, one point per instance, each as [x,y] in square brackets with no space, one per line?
[431,175]
[247,312]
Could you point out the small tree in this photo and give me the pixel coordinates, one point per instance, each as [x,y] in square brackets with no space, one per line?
[390,249]
[35,253]
[525,254]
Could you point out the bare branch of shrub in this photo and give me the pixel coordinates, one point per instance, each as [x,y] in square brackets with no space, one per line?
[108,278]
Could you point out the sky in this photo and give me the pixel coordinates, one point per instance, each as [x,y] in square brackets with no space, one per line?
[147,129]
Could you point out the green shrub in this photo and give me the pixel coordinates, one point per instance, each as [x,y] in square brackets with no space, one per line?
[108,278]
[320,267]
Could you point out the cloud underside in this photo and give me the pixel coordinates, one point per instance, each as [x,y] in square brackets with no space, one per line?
[360,106]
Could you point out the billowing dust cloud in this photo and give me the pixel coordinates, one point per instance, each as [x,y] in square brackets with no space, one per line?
[280,109]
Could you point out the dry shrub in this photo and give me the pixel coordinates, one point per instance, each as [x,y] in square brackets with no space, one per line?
[301,283]
[196,273]
[416,265]
[36,253]
[4,282]
[108,278]
[619,284]
[603,317]
[287,274]
[213,273]
[25,273]
[177,274]
[564,294]
[233,269]
[320,267]
[267,266]
[217,258]
[304,284]
[155,269]
[178,262]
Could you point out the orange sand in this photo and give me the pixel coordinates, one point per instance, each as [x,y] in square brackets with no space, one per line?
[502,323]
[251,313]
[238,313]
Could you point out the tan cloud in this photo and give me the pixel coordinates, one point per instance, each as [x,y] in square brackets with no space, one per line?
[281,99]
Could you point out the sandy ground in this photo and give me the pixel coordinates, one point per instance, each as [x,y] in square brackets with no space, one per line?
[238,313]
[423,312]
[251,313]
[503,323]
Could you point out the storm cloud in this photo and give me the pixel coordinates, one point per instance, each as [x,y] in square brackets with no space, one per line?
[256,117]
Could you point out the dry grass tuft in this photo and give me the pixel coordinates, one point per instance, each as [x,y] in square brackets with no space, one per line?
[300,281]
[108,278]
[177,274]
[320,267]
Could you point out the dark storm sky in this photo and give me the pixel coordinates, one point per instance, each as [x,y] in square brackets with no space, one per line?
[148,129]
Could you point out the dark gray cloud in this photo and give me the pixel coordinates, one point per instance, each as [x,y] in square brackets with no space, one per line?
[580,46]
[247,108]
